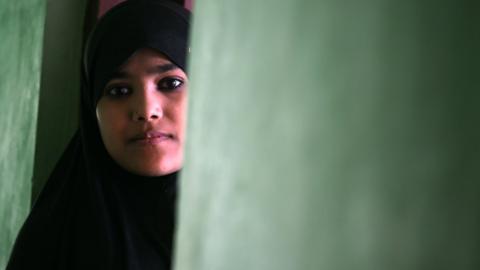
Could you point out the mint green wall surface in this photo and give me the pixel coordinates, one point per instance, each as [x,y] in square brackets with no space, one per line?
[332,135]
[21,33]
[60,85]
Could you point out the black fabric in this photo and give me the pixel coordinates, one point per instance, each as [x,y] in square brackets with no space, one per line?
[92,214]
[128,27]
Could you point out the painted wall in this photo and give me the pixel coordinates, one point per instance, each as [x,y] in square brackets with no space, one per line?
[189,4]
[332,135]
[60,85]
[21,31]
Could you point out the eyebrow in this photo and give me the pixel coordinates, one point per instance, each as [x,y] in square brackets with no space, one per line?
[159,69]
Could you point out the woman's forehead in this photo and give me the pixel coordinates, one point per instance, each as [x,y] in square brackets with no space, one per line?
[128,27]
[145,61]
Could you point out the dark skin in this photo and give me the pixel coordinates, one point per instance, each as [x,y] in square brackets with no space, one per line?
[141,114]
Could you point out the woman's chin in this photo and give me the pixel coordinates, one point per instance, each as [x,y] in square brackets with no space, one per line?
[153,169]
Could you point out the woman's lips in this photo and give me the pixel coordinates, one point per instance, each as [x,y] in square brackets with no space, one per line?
[151,137]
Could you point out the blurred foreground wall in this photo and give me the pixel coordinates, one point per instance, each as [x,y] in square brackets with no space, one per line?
[332,135]
[21,34]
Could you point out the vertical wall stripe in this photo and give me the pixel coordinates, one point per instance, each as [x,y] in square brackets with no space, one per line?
[60,85]
[21,30]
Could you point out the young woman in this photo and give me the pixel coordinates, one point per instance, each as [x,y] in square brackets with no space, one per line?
[110,202]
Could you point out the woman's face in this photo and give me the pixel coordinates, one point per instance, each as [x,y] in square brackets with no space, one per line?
[141,114]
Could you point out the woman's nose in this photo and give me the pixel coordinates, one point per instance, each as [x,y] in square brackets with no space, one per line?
[147,107]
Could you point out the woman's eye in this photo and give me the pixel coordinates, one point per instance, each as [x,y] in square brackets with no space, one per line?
[117,91]
[169,84]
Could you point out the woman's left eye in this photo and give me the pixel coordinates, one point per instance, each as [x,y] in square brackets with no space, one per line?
[169,84]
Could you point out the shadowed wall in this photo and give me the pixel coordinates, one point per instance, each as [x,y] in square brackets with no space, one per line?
[60,85]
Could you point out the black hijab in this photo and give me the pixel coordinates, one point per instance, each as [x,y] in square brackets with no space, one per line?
[92,214]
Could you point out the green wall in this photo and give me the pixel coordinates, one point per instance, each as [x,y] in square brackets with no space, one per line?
[332,135]
[21,32]
[60,85]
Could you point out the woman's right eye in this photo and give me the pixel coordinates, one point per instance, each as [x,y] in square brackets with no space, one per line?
[117,91]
